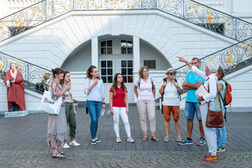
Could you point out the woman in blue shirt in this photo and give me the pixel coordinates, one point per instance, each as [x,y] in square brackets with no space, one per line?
[94,91]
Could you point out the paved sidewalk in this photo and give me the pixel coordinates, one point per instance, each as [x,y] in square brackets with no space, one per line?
[23,144]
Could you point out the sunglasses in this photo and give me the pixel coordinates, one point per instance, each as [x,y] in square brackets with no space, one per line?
[171,73]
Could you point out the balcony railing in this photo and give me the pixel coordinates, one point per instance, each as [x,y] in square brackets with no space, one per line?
[231,59]
[188,10]
[32,73]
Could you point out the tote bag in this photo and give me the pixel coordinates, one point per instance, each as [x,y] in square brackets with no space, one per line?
[49,105]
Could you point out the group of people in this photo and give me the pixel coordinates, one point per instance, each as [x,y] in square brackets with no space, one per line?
[145,90]
[213,81]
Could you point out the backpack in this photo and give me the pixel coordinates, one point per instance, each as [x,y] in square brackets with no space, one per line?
[162,95]
[40,87]
[227,99]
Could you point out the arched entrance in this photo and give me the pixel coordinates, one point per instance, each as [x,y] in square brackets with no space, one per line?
[115,55]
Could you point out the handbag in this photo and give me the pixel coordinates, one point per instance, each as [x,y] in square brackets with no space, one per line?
[49,105]
[214,118]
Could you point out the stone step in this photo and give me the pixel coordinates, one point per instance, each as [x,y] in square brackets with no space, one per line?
[16,114]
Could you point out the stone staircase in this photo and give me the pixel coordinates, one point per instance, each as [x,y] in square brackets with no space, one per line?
[188,10]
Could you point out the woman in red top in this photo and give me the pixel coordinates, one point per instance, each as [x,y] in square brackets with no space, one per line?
[118,101]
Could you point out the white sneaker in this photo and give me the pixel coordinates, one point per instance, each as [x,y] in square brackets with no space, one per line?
[118,140]
[74,143]
[97,140]
[131,140]
[65,146]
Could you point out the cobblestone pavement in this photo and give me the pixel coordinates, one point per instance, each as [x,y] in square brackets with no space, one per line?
[23,144]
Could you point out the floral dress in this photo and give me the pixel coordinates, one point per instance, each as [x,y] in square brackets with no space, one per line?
[57,125]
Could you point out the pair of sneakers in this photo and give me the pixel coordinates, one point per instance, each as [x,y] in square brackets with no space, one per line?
[95,141]
[221,149]
[190,142]
[72,143]
[129,139]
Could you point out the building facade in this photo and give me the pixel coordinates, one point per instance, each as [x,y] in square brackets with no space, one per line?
[122,36]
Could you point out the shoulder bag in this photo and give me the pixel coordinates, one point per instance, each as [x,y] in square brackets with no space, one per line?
[214,118]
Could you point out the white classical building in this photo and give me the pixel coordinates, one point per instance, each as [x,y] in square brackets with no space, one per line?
[121,36]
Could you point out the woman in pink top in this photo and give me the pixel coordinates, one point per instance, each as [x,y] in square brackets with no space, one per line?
[118,101]
[145,92]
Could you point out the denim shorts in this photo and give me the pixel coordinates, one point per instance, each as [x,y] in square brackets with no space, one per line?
[190,110]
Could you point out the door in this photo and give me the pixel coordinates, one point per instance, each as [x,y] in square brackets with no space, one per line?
[117,64]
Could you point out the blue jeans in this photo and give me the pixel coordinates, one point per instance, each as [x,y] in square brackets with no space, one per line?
[221,134]
[190,110]
[94,109]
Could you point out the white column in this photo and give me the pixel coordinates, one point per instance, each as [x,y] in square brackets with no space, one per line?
[94,51]
[136,53]
[136,59]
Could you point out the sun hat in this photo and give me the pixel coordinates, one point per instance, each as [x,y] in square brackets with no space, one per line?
[169,70]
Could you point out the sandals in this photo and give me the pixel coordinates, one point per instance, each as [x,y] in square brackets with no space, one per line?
[179,139]
[154,139]
[58,155]
[166,139]
[145,138]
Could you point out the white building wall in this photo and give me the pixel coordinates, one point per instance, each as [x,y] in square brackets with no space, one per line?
[241,82]
[79,61]
[50,44]
[148,52]
[238,8]
[242,9]
[78,83]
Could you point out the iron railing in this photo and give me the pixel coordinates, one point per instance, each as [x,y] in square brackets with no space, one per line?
[32,74]
[187,10]
[231,58]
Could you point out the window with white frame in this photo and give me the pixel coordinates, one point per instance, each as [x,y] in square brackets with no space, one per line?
[107,71]
[127,70]
[126,47]
[106,47]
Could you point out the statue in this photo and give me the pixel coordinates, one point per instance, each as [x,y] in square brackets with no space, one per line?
[15,89]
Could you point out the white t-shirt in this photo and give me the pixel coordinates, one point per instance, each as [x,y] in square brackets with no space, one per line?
[145,89]
[171,95]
